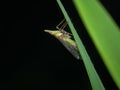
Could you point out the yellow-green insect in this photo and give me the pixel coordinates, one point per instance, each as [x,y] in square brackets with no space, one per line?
[65,38]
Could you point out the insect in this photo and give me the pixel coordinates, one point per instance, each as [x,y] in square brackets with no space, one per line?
[65,38]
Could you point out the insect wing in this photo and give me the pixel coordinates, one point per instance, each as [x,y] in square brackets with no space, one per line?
[71,49]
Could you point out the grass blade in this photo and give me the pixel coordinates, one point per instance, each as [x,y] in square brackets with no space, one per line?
[93,76]
[104,33]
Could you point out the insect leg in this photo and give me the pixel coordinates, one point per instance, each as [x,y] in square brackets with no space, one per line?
[58,26]
[61,26]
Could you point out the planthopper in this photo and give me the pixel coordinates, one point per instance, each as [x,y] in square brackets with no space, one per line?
[65,38]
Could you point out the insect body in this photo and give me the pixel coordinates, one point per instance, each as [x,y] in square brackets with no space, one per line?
[65,38]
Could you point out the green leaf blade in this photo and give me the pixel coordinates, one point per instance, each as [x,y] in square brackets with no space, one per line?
[104,33]
[93,76]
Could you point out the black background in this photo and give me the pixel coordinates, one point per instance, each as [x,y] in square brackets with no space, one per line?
[32,59]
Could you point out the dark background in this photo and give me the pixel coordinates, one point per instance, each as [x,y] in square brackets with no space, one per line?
[32,59]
